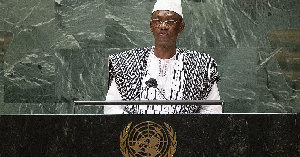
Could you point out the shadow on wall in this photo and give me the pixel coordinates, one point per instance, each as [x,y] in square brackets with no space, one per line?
[286,48]
[5,40]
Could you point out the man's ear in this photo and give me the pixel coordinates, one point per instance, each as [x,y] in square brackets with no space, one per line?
[151,28]
[181,27]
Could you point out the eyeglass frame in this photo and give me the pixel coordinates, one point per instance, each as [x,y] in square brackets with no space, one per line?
[167,22]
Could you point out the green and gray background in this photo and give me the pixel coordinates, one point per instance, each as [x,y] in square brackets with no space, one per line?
[53,52]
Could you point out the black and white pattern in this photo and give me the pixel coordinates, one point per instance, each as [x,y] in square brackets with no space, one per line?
[192,78]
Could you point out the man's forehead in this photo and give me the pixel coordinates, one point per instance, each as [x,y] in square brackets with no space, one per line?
[168,13]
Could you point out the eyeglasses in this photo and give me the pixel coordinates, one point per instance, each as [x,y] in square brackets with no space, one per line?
[167,22]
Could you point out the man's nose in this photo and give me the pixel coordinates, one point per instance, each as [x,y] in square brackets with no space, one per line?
[163,26]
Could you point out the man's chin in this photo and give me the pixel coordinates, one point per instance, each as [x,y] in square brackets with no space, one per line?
[164,43]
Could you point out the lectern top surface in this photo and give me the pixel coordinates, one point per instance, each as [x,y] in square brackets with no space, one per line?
[153,102]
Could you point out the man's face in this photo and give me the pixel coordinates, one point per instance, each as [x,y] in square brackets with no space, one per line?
[166,34]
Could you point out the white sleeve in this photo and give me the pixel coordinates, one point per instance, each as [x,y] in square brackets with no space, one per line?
[113,94]
[213,95]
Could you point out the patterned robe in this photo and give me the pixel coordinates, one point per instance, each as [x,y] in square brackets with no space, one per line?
[193,76]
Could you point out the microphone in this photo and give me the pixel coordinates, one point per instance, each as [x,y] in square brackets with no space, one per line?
[150,83]
[153,83]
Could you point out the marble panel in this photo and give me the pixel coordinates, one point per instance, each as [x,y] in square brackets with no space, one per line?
[2,12]
[230,23]
[81,75]
[81,61]
[250,84]
[81,23]
[27,108]
[39,108]
[1,87]
[30,80]
[28,65]
[274,15]
[128,24]
[286,45]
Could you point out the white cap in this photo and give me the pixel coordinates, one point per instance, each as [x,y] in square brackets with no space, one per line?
[172,5]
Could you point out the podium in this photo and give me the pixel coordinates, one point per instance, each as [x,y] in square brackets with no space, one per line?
[179,135]
[155,102]
[157,106]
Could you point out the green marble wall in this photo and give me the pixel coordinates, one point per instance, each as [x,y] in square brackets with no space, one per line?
[59,50]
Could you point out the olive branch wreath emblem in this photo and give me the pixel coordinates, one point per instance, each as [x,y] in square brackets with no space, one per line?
[171,142]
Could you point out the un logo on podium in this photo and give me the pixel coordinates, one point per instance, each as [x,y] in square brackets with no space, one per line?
[148,139]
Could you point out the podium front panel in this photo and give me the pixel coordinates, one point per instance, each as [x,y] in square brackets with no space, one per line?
[196,135]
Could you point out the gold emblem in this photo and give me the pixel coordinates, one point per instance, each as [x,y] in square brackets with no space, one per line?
[148,139]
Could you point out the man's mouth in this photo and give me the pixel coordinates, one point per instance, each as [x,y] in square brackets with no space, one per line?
[163,34]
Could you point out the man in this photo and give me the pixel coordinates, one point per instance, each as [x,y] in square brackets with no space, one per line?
[163,71]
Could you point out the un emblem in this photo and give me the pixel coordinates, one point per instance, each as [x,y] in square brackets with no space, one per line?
[148,139]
